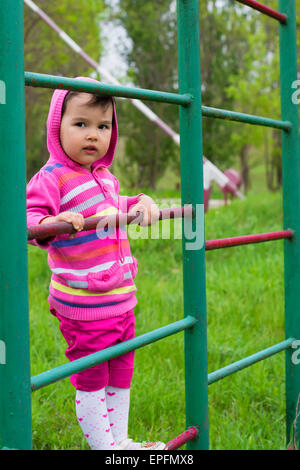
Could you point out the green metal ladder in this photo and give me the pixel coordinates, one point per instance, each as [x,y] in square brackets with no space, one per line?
[16,385]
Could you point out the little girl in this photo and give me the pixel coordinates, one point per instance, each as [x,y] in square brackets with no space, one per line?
[92,290]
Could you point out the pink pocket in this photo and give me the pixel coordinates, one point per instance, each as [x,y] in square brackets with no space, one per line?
[104,281]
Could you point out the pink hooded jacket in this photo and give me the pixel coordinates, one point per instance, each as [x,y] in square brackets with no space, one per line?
[93,273]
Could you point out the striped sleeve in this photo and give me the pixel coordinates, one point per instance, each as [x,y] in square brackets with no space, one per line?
[43,200]
[126,201]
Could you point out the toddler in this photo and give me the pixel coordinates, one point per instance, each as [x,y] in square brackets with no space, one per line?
[92,291]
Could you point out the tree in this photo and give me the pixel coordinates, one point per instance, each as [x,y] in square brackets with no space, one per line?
[45,52]
[224,42]
[151,58]
[240,72]
[255,91]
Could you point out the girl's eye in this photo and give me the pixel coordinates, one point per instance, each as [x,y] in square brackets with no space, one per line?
[103,126]
[80,124]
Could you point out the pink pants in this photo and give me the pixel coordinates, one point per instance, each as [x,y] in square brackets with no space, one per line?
[87,337]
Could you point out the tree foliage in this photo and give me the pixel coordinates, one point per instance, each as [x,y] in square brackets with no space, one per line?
[239,70]
[151,27]
[224,43]
[45,52]
[226,54]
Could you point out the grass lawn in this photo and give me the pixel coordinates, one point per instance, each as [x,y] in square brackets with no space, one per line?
[244,313]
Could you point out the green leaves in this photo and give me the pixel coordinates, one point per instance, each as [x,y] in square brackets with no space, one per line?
[152,61]
[46,52]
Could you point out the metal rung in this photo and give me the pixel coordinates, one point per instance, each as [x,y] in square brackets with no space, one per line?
[248,361]
[43,231]
[218,113]
[265,10]
[186,436]
[65,370]
[65,83]
[247,239]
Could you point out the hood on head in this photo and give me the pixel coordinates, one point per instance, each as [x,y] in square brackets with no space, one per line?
[53,131]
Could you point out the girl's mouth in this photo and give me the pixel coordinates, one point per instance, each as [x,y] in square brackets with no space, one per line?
[90,150]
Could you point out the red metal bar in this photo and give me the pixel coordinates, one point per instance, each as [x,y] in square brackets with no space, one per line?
[247,239]
[50,230]
[264,9]
[186,436]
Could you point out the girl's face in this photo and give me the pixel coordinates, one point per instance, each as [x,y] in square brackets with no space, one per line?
[85,130]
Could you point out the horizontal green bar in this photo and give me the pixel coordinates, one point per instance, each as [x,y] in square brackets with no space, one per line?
[64,83]
[248,361]
[245,118]
[65,370]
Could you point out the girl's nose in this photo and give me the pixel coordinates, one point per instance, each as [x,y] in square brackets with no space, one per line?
[92,134]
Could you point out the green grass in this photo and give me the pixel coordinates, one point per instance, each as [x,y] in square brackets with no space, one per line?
[244,315]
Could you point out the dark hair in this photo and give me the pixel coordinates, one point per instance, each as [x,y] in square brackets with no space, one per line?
[96,100]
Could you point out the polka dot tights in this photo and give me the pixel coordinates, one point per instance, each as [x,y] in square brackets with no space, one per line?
[103,416]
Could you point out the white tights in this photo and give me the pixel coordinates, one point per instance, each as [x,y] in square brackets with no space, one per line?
[103,416]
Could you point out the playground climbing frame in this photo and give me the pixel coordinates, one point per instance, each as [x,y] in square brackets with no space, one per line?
[16,385]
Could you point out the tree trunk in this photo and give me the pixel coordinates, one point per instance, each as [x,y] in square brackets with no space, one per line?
[273,162]
[156,156]
[269,170]
[277,158]
[245,166]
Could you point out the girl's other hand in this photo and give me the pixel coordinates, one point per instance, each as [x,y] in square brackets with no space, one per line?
[149,208]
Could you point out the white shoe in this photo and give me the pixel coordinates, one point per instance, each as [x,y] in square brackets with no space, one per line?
[153,445]
[123,445]
[144,446]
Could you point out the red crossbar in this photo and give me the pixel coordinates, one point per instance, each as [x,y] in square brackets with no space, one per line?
[43,231]
[247,239]
[264,9]
[186,436]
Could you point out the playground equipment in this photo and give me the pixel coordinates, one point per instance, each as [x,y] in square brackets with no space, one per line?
[15,380]
[210,171]
[226,182]
[236,179]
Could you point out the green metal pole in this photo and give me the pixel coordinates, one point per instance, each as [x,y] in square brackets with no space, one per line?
[249,360]
[65,370]
[218,113]
[15,394]
[291,208]
[192,193]
[65,83]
